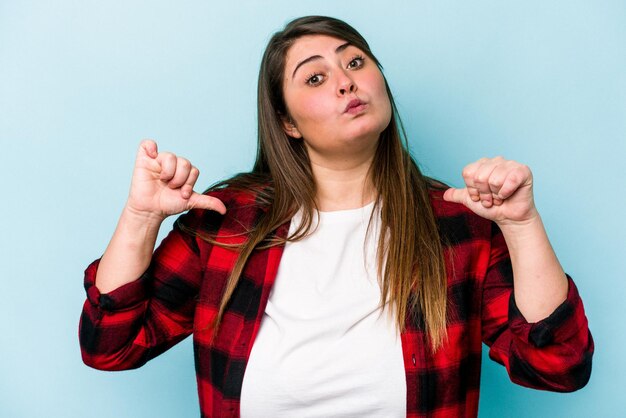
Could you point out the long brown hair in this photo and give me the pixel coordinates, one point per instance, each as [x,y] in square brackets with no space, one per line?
[413,278]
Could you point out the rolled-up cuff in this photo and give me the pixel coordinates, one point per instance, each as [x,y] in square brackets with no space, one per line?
[124,297]
[560,325]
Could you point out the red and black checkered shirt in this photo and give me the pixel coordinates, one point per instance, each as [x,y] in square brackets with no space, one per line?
[180,293]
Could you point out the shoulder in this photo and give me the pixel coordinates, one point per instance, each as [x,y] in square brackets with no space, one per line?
[234,198]
[455,221]
[244,190]
[443,208]
[244,208]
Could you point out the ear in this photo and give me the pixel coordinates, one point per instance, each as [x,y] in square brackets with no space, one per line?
[290,127]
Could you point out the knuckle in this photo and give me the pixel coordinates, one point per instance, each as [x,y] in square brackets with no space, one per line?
[481,178]
[184,162]
[514,177]
[497,182]
[168,157]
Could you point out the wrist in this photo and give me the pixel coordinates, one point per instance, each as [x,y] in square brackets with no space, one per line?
[140,218]
[529,220]
[524,233]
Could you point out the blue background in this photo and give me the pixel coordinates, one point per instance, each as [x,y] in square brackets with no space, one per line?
[82,82]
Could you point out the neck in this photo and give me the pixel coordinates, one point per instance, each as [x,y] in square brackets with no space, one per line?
[343,184]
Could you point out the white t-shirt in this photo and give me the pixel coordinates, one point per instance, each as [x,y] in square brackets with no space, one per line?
[324,347]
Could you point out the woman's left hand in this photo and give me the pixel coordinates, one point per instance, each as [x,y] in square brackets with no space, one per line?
[497,189]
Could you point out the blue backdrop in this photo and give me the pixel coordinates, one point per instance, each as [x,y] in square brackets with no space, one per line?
[82,82]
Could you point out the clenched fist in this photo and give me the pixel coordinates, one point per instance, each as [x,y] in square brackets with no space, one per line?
[162,185]
[497,189]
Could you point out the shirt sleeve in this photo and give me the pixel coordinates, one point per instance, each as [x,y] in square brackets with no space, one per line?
[134,323]
[552,354]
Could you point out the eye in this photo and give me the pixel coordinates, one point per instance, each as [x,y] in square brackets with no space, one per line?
[356,62]
[314,79]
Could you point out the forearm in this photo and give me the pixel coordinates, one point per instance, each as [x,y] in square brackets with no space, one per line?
[540,285]
[129,252]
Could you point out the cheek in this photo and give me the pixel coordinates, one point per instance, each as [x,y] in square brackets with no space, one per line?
[309,108]
[379,89]
[381,93]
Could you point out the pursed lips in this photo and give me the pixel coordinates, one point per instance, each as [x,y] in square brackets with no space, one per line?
[354,106]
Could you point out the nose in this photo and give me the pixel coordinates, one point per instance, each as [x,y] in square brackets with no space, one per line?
[346,85]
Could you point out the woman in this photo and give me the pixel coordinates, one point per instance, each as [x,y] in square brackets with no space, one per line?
[299,305]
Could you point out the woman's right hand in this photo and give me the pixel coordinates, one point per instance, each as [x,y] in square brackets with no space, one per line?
[162,185]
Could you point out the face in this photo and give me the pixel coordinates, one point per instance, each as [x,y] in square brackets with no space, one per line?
[335,95]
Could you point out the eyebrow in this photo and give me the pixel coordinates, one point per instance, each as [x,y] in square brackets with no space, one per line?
[315,57]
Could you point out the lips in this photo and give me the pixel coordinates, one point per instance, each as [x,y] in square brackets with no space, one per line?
[355,105]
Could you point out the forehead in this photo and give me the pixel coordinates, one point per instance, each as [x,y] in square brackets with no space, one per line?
[309,45]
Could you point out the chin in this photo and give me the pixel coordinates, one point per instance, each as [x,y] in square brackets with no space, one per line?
[372,129]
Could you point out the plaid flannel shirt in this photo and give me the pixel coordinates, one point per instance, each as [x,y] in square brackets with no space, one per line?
[180,293]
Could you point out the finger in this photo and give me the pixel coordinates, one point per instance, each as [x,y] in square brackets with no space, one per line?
[497,177]
[168,165]
[183,168]
[187,189]
[481,181]
[149,148]
[469,171]
[456,195]
[202,201]
[514,180]
[473,193]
